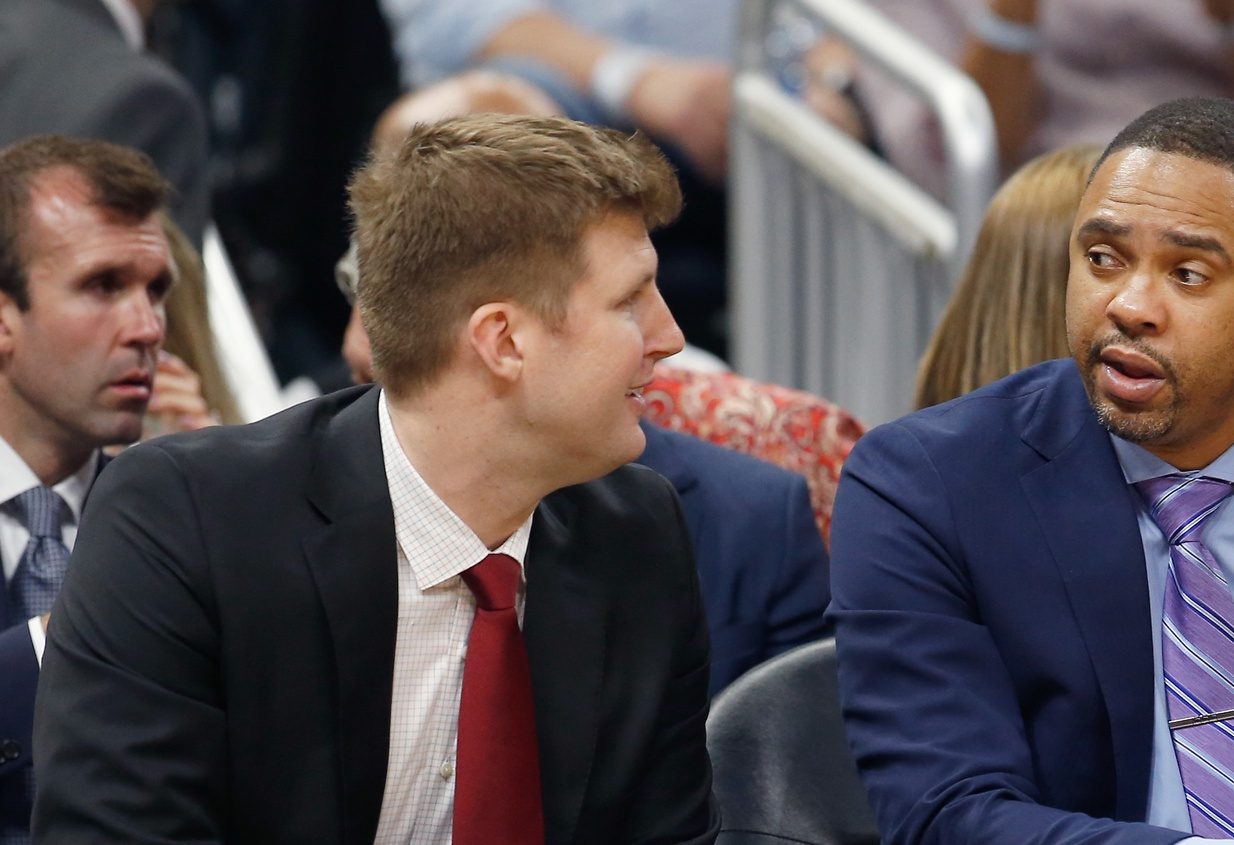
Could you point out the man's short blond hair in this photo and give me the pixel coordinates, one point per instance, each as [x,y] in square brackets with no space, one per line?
[487,208]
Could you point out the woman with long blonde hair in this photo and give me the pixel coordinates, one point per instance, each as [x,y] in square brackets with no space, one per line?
[1007,310]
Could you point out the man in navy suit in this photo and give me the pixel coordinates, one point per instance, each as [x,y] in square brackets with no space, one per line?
[1008,644]
[761,562]
[84,268]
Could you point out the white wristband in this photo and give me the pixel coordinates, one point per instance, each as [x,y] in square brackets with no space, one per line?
[613,78]
[1002,34]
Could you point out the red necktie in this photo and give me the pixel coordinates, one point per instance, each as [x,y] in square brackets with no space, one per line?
[497,790]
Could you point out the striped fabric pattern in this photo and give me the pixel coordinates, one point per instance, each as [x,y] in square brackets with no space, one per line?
[1197,647]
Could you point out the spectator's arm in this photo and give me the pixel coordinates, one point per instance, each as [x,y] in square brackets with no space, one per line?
[1008,79]
[682,102]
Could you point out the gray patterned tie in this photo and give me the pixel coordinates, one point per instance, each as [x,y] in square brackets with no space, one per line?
[35,583]
[40,572]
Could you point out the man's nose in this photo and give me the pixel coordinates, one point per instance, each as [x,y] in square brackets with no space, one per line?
[1136,309]
[146,321]
[664,337]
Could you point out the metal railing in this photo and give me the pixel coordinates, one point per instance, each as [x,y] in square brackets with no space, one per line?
[842,265]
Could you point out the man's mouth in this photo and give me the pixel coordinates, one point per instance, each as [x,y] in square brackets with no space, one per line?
[1129,376]
[135,384]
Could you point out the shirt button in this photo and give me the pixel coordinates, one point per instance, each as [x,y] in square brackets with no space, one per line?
[9,751]
[446,771]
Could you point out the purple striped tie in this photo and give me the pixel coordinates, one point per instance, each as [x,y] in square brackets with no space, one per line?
[1197,649]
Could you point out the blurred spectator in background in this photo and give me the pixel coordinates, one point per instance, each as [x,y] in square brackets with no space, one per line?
[470,92]
[1057,72]
[293,88]
[190,390]
[660,66]
[76,67]
[1006,312]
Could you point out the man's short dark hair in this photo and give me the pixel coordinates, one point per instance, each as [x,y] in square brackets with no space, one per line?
[1196,127]
[122,180]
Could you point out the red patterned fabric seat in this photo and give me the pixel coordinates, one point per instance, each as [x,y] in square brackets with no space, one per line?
[790,428]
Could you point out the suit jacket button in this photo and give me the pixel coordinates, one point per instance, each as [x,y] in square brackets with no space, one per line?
[9,750]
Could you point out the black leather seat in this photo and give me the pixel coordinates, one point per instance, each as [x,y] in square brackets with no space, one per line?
[783,771]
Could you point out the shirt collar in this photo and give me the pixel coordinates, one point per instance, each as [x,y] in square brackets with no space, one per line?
[423,522]
[129,23]
[1138,464]
[16,477]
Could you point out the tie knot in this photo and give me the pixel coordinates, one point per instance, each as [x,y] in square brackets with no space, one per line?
[39,510]
[494,581]
[1180,504]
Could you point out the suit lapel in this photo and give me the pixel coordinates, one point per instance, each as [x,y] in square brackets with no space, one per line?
[564,628]
[1087,515]
[352,559]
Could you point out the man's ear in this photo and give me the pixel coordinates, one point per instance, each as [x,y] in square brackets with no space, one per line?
[493,334]
[9,315]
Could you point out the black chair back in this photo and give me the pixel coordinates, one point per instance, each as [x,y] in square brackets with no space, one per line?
[783,770]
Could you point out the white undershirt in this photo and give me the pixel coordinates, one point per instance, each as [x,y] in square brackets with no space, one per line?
[16,478]
[435,609]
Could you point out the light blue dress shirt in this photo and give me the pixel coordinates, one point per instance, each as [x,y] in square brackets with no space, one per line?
[1166,805]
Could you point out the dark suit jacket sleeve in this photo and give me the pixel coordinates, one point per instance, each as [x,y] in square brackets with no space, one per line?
[768,569]
[129,729]
[930,709]
[674,803]
[802,590]
[20,672]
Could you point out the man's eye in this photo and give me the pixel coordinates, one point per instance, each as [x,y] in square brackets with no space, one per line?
[160,289]
[103,283]
[1101,259]
[1190,277]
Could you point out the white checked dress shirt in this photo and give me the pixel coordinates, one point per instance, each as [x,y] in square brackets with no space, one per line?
[16,478]
[435,609]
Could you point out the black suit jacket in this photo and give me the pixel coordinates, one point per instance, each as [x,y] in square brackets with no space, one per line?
[64,67]
[220,665]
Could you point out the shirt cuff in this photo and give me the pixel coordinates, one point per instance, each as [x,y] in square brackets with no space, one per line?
[38,637]
[1199,840]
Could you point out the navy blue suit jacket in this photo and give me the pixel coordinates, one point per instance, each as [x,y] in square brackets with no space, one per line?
[19,673]
[762,564]
[991,607]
